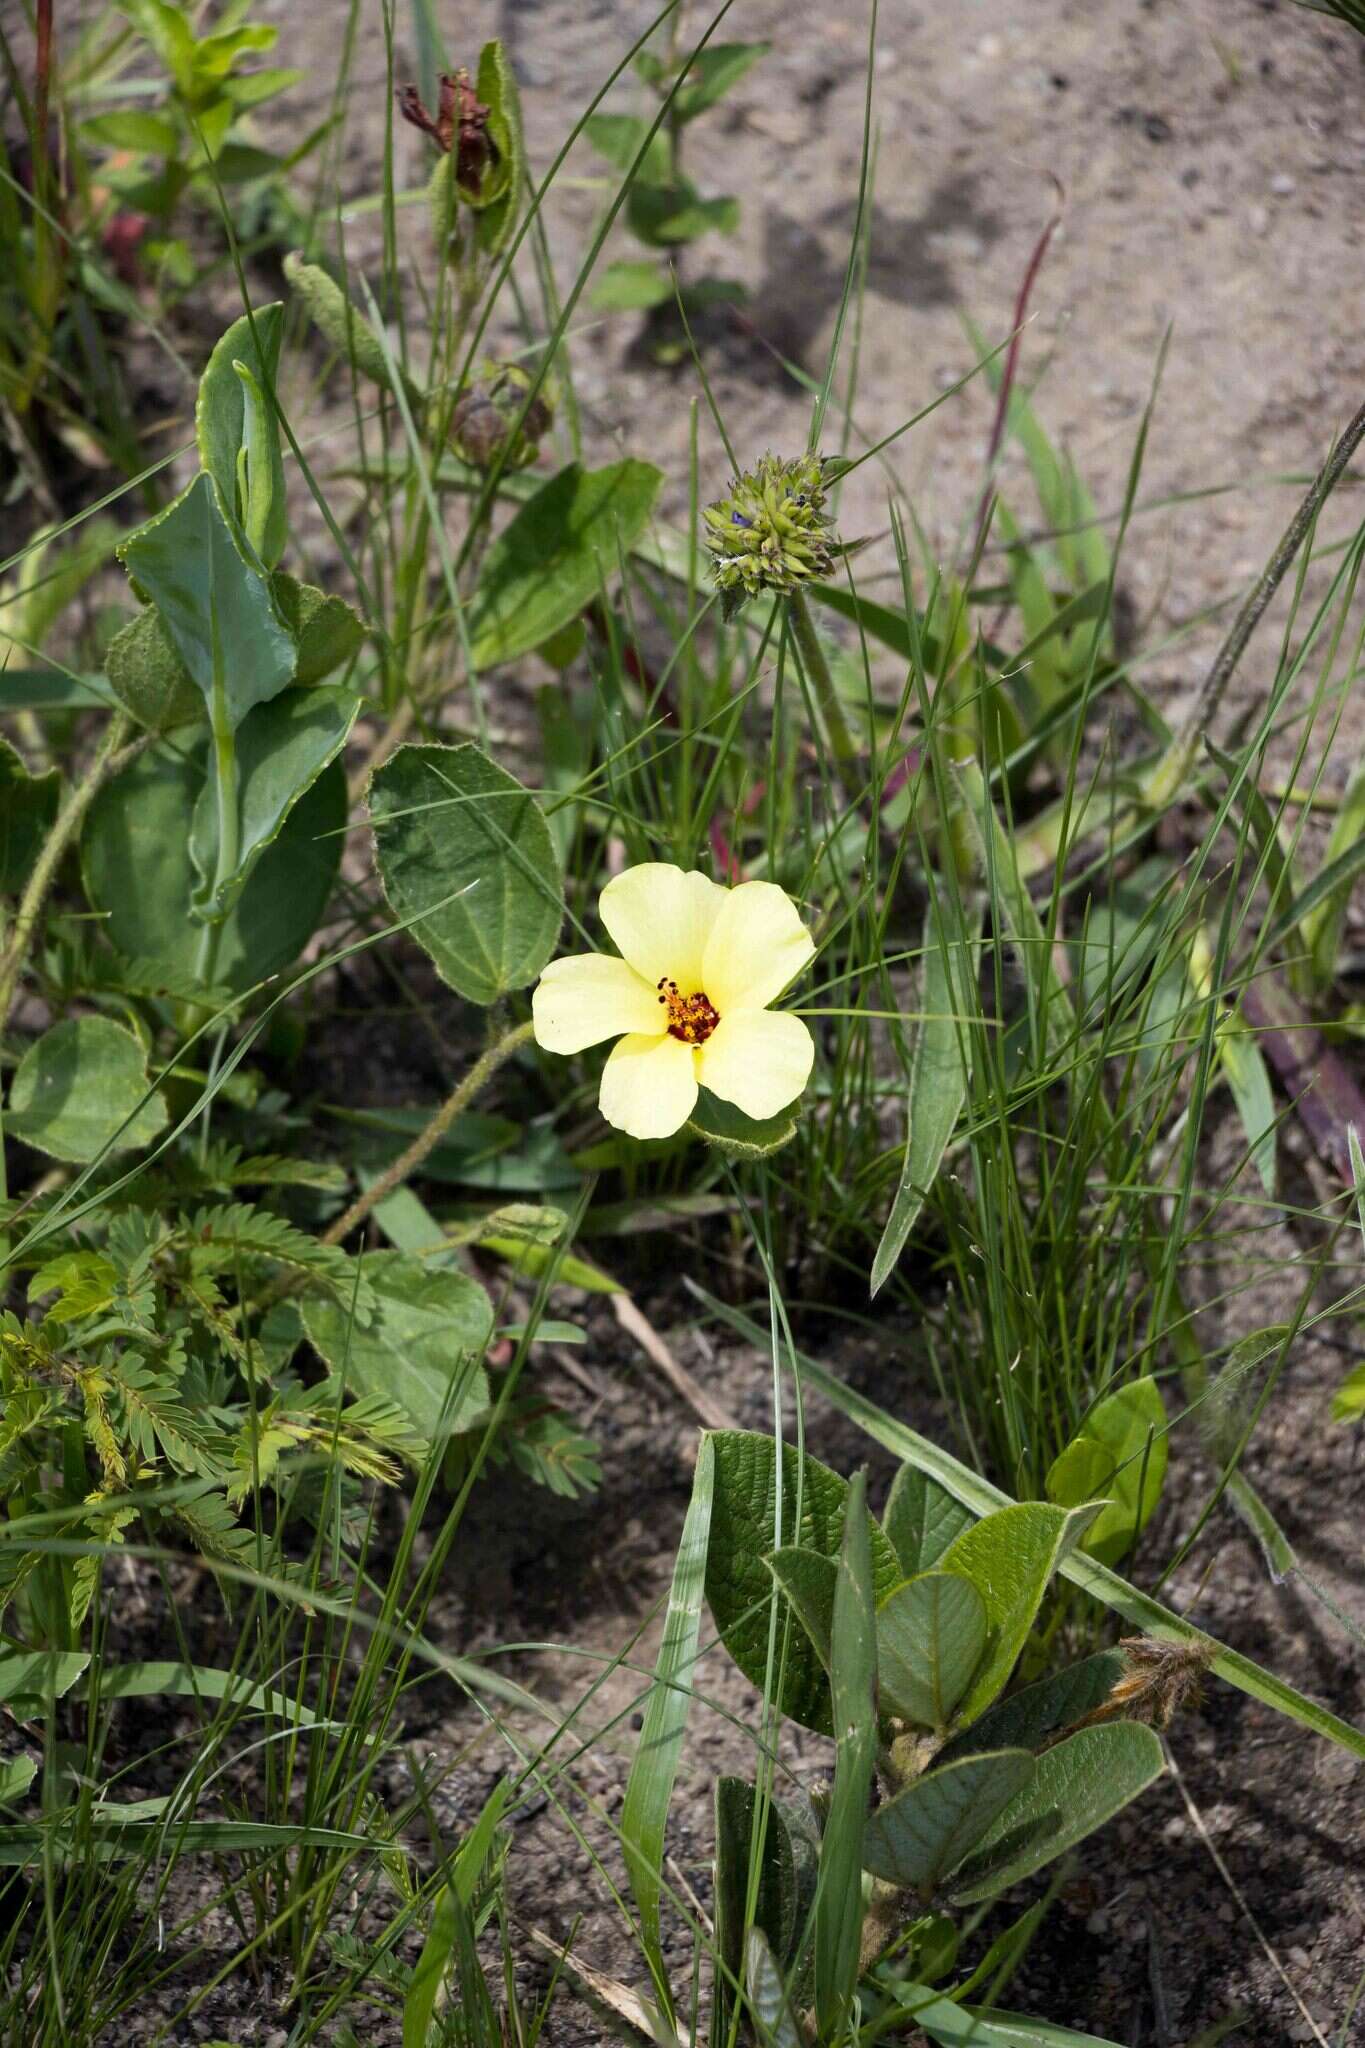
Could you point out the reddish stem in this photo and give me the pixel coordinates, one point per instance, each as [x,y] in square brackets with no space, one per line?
[1002,404]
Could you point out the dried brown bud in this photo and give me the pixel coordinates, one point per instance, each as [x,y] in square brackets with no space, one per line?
[461,123]
[1162,1679]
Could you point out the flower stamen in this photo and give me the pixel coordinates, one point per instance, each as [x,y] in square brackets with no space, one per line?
[690,1018]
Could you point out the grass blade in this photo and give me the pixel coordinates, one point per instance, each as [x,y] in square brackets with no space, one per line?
[853,1678]
[645,1812]
[939,1068]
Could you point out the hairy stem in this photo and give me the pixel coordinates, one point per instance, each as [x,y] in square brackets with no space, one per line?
[407,1163]
[109,758]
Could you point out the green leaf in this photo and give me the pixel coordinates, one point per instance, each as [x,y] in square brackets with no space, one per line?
[329,632]
[564,545]
[665,215]
[1348,1402]
[16,1776]
[339,321]
[1075,1787]
[153,684]
[135,859]
[976,1493]
[930,1635]
[130,128]
[712,73]
[743,1137]
[455,833]
[500,192]
[233,442]
[632,287]
[921,1519]
[421,1345]
[192,1681]
[853,1685]
[939,1066]
[919,1836]
[1026,1718]
[537,1259]
[770,2004]
[30,1678]
[620,138]
[739,1846]
[28,808]
[1120,1452]
[808,1579]
[1009,1557]
[148,677]
[745,1529]
[649,1791]
[216,608]
[79,1091]
[282,748]
[1248,1078]
[986,2026]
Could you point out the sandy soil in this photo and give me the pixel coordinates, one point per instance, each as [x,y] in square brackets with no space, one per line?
[1211,158]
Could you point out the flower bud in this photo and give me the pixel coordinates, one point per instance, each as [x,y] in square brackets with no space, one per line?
[485,418]
[771,532]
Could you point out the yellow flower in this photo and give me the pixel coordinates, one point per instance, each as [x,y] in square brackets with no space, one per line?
[688,999]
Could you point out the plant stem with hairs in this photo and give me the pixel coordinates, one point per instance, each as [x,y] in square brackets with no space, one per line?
[407,1163]
[109,758]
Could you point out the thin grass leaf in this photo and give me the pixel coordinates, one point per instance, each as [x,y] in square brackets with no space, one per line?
[939,1068]
[853,1679]
[644,1816]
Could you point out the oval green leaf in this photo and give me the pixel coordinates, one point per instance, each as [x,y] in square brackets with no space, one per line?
[930,1635]
[1074,1789]
[420,1345]
[135,859]
[924,1832]
[458,835]
[744,1529]
[82,1090]
[1121,1453]
[559,551]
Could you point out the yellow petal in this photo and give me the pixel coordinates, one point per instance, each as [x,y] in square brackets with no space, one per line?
[757,945]
[758,1059]
[649,1086]
[659,917]
[587,997]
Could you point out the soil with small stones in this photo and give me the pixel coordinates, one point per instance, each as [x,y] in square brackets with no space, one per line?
[1208,160]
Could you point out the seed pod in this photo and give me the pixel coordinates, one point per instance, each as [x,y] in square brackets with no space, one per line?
[486,415]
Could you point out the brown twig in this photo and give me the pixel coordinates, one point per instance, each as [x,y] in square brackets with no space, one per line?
[110,758]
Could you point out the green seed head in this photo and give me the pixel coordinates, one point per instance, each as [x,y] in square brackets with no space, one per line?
[771,532]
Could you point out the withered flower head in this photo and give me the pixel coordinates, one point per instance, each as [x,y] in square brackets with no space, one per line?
[485,417]
[461,123]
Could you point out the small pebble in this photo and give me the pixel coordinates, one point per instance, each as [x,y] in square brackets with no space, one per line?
[1282,185]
